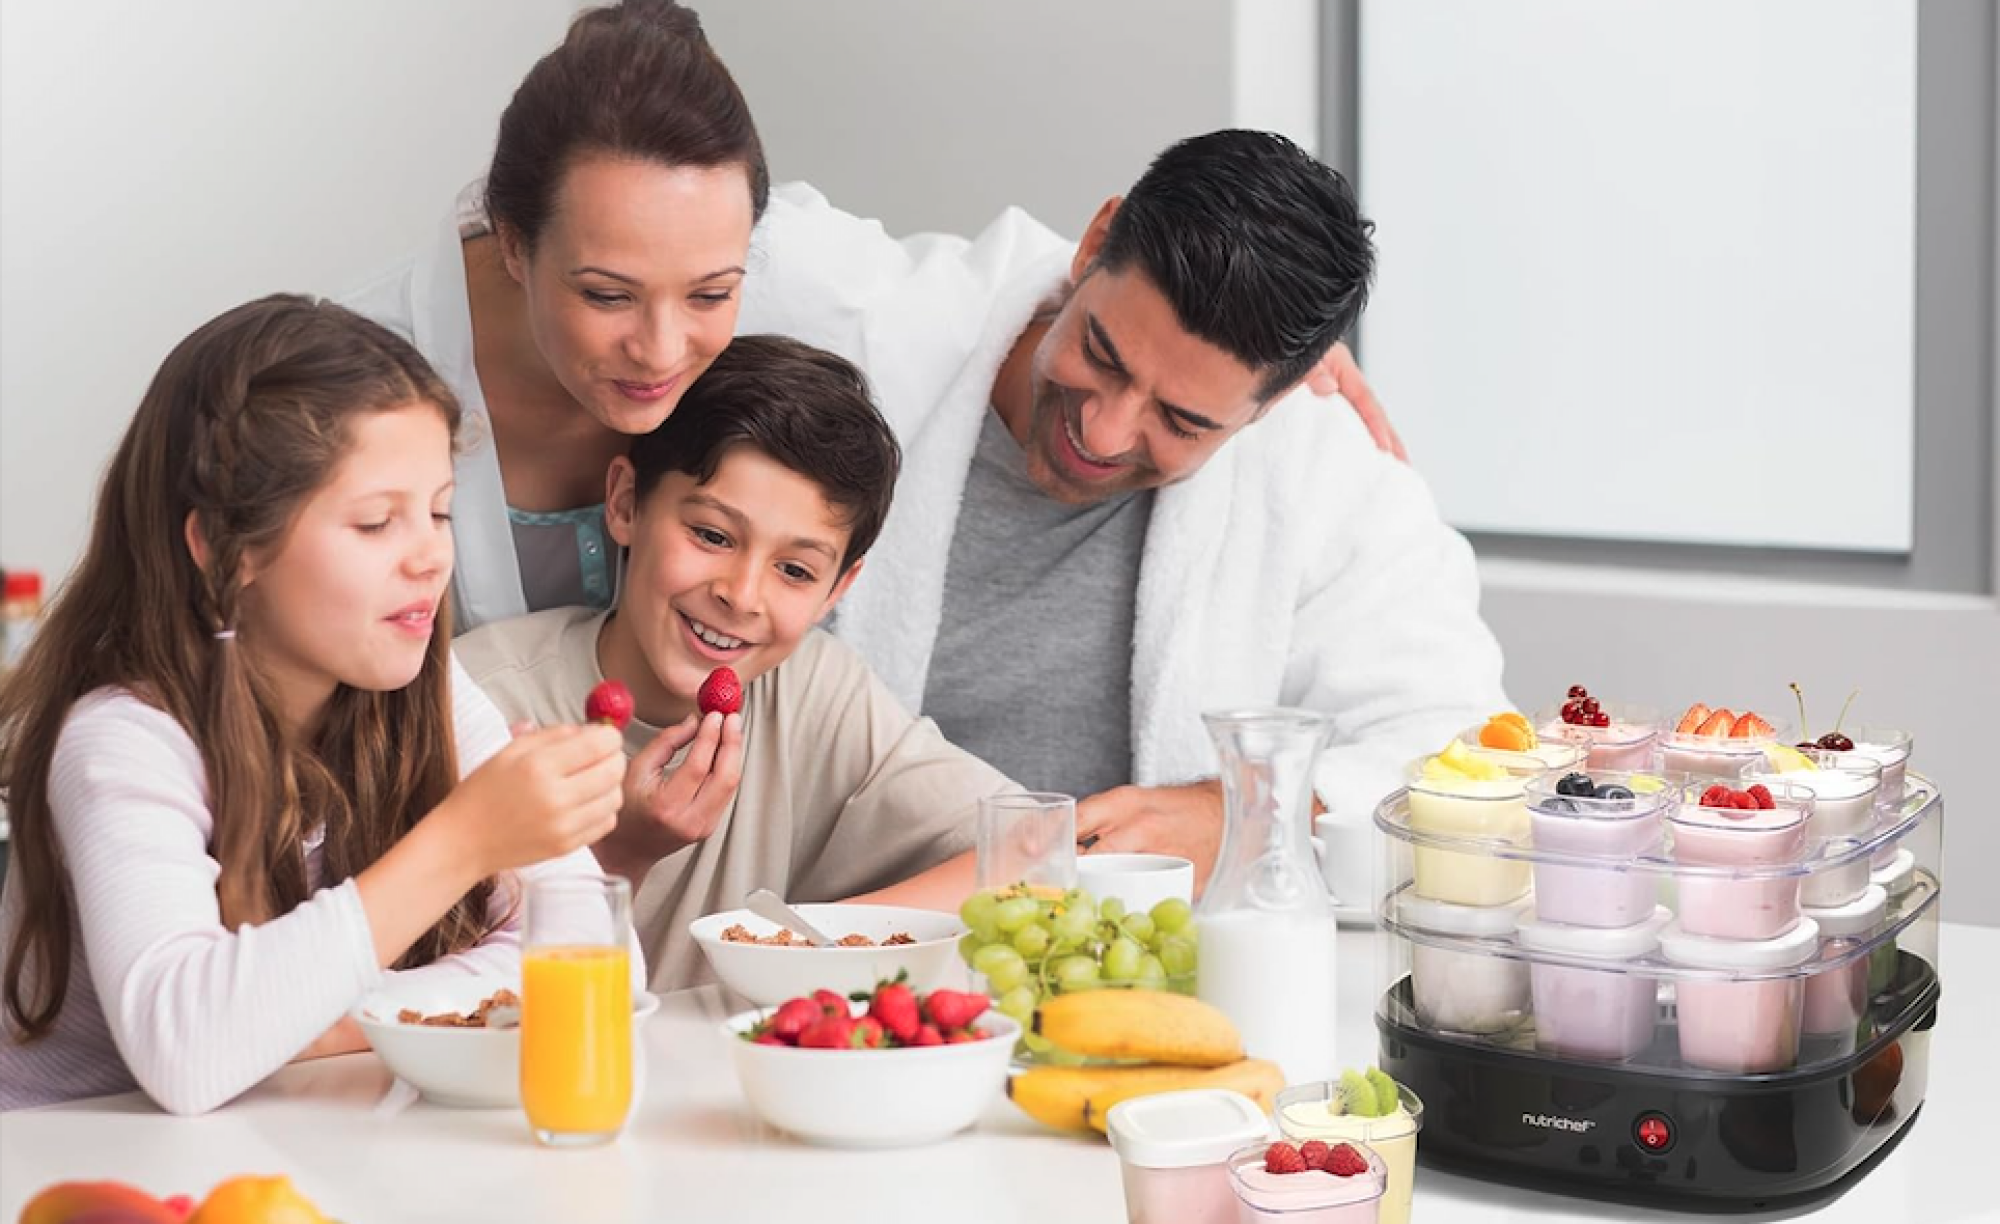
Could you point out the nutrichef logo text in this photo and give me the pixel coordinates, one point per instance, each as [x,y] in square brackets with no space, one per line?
[1552,1122]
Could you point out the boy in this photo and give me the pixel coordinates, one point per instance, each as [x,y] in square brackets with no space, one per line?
[745,517]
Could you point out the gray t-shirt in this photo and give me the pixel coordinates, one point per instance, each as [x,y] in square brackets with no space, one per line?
[1033,666]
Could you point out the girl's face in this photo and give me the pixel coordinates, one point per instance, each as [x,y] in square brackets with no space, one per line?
[349,594]
[634,283]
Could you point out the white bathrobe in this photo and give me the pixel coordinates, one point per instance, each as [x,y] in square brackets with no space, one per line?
[1298,567]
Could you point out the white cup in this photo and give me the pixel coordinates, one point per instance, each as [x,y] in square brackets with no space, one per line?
[1348,862]
[1141,881]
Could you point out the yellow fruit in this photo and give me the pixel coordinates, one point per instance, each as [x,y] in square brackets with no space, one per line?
[256,1200]
[1510,731]
[1786,759]
[1080,1098]
[1153,1026]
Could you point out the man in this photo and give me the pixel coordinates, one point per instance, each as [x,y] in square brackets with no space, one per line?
[1118,509]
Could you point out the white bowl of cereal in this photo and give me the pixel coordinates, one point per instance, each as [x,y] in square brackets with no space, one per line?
[750,957]
[434,1033]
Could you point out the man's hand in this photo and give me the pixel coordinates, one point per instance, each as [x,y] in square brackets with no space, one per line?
[1183,820]
[664,812]
[1337,372]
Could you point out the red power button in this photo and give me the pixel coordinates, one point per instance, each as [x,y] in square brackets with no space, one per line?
[1654,1133]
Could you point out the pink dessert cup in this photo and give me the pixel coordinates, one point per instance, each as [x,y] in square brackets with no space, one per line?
[1626,744]
[1606,892]
[1844,787]
[1603,1013]
[1741,1025]
[1720,756]
[1311,1197]
[1837,996]
[1764,902]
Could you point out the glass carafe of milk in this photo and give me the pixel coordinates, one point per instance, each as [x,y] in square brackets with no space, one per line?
[1264,924]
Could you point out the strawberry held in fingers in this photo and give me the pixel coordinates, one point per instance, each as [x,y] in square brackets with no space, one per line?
[721,693]
[609,703]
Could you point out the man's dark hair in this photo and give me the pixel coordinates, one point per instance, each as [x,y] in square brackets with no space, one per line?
[1260,247]
[802,406]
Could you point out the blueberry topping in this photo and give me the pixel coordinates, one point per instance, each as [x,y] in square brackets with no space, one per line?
[1576,784]
[1615,791]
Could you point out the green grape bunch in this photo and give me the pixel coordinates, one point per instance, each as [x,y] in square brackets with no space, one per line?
[1033,944]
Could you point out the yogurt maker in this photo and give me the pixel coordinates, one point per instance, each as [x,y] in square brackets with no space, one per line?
[1686,998]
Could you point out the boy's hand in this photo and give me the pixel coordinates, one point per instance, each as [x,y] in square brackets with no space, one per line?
[664,812]
[1182,820]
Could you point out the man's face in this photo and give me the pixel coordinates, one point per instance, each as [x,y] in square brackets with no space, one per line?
[1124,397]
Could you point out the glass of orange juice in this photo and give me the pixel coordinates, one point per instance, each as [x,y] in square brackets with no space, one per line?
[576,1010]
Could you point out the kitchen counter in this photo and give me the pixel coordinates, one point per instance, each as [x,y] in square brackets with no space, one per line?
[367,1152]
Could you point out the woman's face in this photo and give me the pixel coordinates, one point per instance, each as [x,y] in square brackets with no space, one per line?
[633,285]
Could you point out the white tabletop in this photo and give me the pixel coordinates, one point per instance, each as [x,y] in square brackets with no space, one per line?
[353,1141]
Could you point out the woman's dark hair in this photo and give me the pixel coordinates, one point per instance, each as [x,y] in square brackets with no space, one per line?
[636,80]
[1260,247]
[804,407]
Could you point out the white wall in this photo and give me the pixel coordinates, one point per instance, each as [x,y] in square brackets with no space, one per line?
[935,116]
[160,163]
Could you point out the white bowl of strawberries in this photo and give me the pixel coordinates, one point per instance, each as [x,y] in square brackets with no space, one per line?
[895,1069]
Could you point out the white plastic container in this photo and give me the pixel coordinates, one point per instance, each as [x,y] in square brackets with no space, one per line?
[1457,991]
[1837,998]
[1741,1025]
[1174,1148]
[1844,790]
[1605,1014]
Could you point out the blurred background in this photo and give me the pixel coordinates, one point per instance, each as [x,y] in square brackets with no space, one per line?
[1685,307]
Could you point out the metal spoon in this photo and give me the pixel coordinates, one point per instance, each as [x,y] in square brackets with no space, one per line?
[771,908]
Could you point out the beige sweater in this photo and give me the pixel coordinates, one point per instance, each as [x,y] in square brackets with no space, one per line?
[843,790]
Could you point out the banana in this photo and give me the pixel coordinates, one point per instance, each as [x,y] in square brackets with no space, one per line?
[1080,1098]
[1152,1026]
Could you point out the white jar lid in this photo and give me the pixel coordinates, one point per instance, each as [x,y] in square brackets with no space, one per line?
[1185,1129]
[1857,917]
[1595,943]
[1445,918]
[1794,947]
[1898,876]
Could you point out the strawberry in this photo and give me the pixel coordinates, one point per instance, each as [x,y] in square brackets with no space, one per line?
[868,1033]
[927,1035]
[1345,1161]
[831,1003]
[770,1038]
[1314,1153]
[1284,1158]
[610,703]
[1718,724]
[895,1008]
[721,692]
[1696,715]
[961,1036]
[1751,726]
[795,1017]
[1762,794]
[829,1032]
[951,1009]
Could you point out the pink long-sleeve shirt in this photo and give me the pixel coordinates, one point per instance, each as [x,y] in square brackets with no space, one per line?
[162,996]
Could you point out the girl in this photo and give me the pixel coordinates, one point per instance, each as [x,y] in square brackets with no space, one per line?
[233,756]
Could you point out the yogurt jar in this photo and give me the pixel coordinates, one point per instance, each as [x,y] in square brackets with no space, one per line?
[1609,892]
[1311,1197]
[1724,756]
[1744,1025]
[1461,991]
[1627,743]
[1603,1013]
[1844,787]
[1174,1148]
[1548,752]
[1459,795]
[1758,906]
[1837,998]
[1312,1111]
[1891,748]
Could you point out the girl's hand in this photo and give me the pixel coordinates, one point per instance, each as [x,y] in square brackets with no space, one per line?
[545,794]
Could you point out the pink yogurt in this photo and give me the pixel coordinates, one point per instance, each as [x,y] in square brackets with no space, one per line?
[1760,906]
[1741,1025]
[1603,1013]
[1311,1197]
[1608,892]
[1723,756]
[1626,744]
[1837,997]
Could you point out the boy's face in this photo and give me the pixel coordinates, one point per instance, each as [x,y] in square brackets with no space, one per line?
[732,573]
